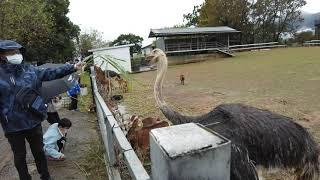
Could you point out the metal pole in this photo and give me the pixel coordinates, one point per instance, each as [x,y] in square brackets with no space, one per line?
[228,41]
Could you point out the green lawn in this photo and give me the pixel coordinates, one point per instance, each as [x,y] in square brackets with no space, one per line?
[85,101]
[285,80]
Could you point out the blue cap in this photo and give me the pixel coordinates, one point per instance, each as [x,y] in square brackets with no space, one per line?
[9,45]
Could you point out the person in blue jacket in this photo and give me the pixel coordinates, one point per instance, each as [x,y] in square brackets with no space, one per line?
[54,139]
[73,93]
[20,122]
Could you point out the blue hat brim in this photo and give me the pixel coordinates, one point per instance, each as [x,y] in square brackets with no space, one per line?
[9,45]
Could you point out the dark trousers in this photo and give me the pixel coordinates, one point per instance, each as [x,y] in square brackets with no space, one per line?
[35,139]
[53,117]
[74,102]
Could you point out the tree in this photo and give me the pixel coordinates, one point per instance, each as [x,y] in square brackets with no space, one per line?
[90,40]
[232,13]
[41,26]
[180,26]
[125,39]
[26,22]
[304,36]
[258,20]
[273,18]
[192,19]
[63,32]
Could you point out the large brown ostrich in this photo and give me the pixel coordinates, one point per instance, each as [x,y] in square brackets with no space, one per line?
[259,137]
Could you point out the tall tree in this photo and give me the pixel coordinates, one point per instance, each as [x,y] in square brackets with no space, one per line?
[125,39]
[27,22]
[41,26]
[259,20]
[232,13]
[63,32]
[192,19]
[272,18]
[90,40]
[303,36]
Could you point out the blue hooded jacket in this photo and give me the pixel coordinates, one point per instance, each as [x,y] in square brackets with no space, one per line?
[74,90]
[12,117]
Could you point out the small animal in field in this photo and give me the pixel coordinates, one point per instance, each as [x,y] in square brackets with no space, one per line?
[182,79]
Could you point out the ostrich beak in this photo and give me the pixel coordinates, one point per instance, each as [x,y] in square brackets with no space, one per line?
[151,58]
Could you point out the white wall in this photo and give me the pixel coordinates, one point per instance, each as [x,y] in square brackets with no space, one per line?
[160,43]
[122,53]
[146,51]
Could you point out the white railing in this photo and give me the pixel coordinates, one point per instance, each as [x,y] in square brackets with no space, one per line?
[248,47]
[193,46]
[312,43]
[114,141]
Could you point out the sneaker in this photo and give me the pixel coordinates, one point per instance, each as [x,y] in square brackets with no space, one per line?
[55,159]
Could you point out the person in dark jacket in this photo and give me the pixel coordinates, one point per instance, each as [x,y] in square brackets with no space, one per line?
[18,121]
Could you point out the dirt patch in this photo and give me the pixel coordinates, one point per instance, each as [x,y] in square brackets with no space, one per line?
[80,138]
[313,117]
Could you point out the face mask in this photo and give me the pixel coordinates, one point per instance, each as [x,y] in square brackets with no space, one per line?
[15,59]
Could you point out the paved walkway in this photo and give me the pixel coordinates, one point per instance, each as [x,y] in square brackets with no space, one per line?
[81,134]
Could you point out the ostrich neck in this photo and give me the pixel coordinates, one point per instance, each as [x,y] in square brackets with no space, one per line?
[172,115]
[162,70]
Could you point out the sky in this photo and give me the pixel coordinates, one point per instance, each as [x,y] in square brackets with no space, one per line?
[115,17]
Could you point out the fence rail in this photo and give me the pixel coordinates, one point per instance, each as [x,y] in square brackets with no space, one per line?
[114,140]
[193,46]
[246,47]
[312,43]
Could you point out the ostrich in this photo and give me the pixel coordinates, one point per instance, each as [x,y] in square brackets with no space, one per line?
[258,137]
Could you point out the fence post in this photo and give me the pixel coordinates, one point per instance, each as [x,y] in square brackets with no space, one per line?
[110,141]
[189,151]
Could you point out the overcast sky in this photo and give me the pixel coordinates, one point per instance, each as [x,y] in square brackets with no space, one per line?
[115,17]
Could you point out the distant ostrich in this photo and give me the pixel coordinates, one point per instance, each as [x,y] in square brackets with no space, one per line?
[259,137]
[182,79]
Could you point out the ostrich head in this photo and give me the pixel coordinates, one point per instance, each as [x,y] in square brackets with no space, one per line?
[154,56]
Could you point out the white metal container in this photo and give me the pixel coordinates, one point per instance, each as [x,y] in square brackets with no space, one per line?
[189,151]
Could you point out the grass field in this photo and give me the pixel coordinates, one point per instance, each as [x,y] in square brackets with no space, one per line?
[286,81]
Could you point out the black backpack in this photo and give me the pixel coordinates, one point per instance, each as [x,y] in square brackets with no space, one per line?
[30,100]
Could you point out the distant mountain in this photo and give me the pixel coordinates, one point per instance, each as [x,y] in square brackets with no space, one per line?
[308,22]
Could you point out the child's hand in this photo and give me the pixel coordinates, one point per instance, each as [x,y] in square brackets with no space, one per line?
[62,156]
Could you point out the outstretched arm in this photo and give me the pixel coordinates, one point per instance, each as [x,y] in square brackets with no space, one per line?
[55,73]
